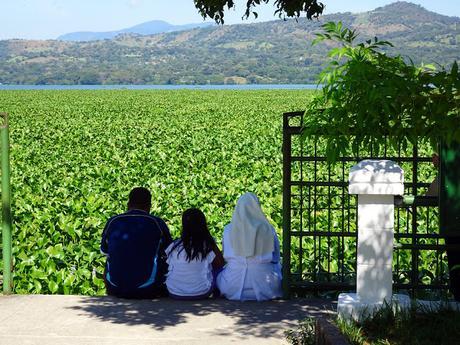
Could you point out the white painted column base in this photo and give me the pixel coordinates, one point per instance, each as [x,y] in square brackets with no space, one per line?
[376,182]
[351,307]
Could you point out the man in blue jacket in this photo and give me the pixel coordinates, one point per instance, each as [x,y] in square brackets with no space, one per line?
[134,243]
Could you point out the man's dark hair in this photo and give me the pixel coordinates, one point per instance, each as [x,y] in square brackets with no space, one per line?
[139,197]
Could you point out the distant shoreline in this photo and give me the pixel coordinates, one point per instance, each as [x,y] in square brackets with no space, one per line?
[165,87]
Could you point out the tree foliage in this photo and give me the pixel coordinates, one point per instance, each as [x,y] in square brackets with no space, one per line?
[369,96]
[285,8]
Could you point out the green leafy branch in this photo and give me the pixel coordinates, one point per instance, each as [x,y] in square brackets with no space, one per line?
[369,96]
[215,9]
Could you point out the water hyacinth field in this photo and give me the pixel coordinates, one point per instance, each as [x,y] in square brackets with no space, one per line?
[75,155]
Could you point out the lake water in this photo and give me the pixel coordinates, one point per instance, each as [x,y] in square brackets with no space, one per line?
[164,87]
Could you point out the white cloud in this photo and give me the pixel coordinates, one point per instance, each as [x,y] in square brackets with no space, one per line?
[134,3]
[59,8]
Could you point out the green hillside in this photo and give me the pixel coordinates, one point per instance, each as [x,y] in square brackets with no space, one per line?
[270,52]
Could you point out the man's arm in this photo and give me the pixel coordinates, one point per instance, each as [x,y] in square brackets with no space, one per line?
[104,249]
[167,235]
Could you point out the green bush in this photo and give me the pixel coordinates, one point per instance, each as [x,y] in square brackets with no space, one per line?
[370,96]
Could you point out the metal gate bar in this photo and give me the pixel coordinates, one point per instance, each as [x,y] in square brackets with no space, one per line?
[320,219]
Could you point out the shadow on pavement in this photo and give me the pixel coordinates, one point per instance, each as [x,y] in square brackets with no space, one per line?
[260,319]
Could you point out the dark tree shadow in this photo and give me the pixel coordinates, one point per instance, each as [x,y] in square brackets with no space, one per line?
[260,319]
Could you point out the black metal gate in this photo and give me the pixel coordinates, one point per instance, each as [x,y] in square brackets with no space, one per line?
[320,220]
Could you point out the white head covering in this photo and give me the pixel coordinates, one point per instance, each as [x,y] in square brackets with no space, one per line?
[251,233]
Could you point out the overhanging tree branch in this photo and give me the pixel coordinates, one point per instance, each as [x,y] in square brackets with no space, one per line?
[285,8]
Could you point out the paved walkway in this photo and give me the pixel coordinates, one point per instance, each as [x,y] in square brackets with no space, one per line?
[72,320]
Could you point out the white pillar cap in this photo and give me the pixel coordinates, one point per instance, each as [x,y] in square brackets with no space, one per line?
[370,176]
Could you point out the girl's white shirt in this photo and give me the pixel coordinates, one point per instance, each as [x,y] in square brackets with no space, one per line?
[250,278]
[185,278]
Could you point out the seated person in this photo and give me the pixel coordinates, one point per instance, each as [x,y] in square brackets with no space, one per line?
[433,189]
[252,252]
[134,243]
[193,259]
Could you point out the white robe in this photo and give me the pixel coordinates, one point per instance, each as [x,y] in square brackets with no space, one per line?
[253,278]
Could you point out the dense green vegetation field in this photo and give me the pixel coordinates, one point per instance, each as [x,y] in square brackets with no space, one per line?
[76,155]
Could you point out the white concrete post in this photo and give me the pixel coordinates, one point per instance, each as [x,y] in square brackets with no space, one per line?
[376,182]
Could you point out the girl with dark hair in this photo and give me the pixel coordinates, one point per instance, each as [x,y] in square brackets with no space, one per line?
[193,259]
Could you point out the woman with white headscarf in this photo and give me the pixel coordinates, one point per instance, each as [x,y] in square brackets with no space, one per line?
[252,252]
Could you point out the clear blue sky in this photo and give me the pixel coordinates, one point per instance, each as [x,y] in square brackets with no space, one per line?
[47,19]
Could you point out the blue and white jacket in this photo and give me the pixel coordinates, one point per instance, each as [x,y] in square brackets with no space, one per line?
[134,243]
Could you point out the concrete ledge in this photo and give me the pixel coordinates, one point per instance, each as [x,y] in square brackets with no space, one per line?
[351,307]
[326,333]
[433,306]
[78,320]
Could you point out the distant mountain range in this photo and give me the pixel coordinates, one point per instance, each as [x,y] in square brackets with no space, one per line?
[148,28]
[277,52]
